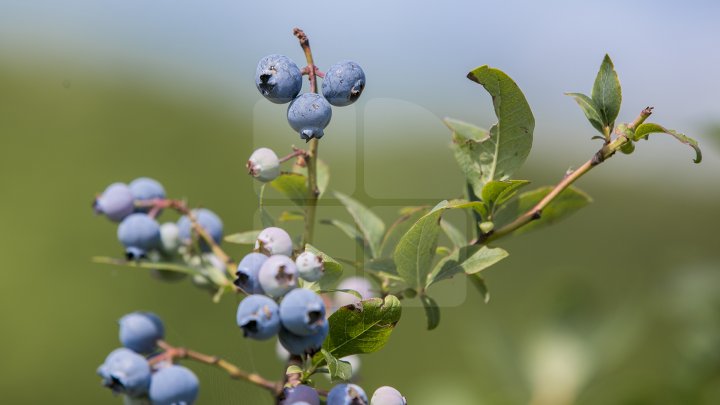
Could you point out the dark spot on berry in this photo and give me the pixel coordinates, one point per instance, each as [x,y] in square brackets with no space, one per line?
[249,327]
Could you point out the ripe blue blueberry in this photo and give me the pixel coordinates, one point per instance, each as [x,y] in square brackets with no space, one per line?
[302,312]
[359,284]
[347,394]
[247,273]
[274,241]
[343,83]
[264,165]
[145,189]
[277,275]
[278,78]
[301,394]
[387,396]
[303,345]
[116,202]
[174,385]
[138,233]
[125,372]
[208,220]
[258,317]
[140,331]
[309,114]
[310,266]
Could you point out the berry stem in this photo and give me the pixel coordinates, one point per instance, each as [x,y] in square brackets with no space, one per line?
[534,213]
[172,352]
[312,154]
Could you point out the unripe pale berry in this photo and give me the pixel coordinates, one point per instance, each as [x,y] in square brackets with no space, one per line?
[169,238]
[116,202]
[277,275]
[140,331]
[302,312]
[174,385]
[310,266]
[139,233]
[264,165]
[208,220]
[309,114]
[387,396]
[347,394]
[125,372]
[343,83]
[258,317]
[274,241]
[303,345]
[146,189]
[247,273]
[278,78]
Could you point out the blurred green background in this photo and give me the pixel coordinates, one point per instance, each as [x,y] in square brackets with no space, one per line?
[618,304]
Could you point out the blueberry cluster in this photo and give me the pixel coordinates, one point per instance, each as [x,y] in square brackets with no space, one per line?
[279,80]
[127,370]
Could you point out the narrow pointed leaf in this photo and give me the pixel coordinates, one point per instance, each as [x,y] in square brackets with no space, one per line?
[468,260]
[606,92]
[643,130]
[340,370]
[496,193]
[432,311]
[591,111]
[565,204]
[370,225]
[479,283]
[147,265]
[243,238]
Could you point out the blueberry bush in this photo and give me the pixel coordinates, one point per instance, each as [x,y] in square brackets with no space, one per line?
[297,292]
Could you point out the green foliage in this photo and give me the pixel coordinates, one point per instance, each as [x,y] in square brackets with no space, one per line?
[496,193]
[332,270]
[370,225]
[495,154]
[432,311]
[590,109]
[361,328]
[340,370]
[293,186]
[468,259]
[603,107]
[644,130]
[567,202]
[243,238]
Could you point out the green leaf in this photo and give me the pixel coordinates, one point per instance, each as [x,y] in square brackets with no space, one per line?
[480,285]
[399,228]
[468,260]
[293,369]
[361,328]
[293,186]
[243,238]
[591,111]
[606,93]
[265,218]
[643,130]
[457,238]
[496,193]
[508,142]
[147,265]
[370,225]
[432,311]
[287,216]
[340,370]
[323,175]
[566,203]
[414,253]
[331,268]
[349,230]
[383,267]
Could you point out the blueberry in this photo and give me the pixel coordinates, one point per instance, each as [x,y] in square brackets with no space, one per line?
[277,275]
[116,202]
[343,83]
[208,220]
[169,238]
[257,316]
[359,284]
[247,273]
[264,165]
[140,331]
[310,266]
[145,189]
[301,394]
[278,78]
[347,394]
[302,312]
[274,241]
[387,396]
[125,372]
[303,345]
[138,233]
[174,385]
[309,114]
